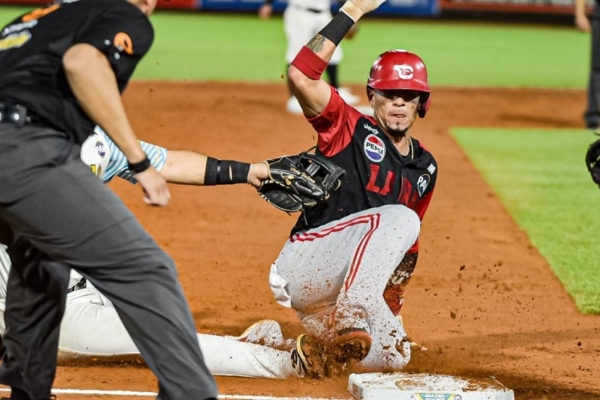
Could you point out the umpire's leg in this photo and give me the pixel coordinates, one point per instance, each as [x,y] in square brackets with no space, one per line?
[35,303]
[592,112]
[50,196]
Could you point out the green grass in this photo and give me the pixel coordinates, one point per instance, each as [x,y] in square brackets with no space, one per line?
[197,46]
[541,178]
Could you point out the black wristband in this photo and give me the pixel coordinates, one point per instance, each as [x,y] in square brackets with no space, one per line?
[337,28]
[138,167]
[225,172]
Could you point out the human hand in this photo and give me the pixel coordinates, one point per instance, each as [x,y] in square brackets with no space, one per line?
[156,191]
[582,23]
[258,173]
[265,11]
[367,5]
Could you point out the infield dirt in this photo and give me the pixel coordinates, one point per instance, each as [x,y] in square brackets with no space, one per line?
[482,300]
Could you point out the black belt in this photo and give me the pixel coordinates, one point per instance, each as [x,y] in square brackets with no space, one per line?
[18,115]
[312,10]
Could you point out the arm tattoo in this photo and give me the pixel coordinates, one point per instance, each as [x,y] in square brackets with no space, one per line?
[316,43]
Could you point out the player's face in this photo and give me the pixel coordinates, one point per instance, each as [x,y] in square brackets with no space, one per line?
[395,110]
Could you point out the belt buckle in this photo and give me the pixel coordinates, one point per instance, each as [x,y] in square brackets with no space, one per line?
[16,114]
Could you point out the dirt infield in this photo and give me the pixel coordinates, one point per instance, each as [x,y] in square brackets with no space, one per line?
[483,301]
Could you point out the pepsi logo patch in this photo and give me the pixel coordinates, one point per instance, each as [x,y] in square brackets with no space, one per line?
[422,184]
[101,149]
[374,148]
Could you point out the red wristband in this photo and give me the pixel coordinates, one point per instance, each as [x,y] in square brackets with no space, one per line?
[309,63]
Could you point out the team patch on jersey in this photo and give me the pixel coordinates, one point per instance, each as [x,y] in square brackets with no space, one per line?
[101,149]
[14,40]
[431,169]
[422,184]
[374,148]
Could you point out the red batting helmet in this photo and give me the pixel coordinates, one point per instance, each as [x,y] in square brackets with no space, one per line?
[401,69]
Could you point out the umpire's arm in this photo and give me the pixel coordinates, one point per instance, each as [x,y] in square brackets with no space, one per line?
[94,84]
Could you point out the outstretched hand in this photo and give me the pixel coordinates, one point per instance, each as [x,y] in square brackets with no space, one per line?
[258,173]
[367,5]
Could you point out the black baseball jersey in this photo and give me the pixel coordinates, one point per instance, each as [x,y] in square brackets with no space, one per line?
[376,173]
[33,45]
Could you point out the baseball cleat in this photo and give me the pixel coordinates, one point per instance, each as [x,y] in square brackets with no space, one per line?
[315,359]
[349,348]
[308,357]
[266,332]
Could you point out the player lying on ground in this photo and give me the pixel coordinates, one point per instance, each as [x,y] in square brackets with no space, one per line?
[345,265]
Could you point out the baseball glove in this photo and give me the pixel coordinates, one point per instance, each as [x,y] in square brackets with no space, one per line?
[592,160]
[299,182]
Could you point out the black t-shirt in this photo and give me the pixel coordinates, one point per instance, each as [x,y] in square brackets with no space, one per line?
[33,45]
[376,173]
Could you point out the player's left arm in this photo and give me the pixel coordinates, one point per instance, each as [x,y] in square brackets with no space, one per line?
[184,167]
[305,72]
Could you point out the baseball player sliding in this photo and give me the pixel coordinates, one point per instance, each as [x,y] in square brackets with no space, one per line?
[91,327]
[345,266]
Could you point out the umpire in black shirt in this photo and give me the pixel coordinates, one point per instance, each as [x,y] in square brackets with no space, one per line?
[62,69]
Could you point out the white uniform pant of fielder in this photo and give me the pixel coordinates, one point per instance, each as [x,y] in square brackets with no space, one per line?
[334,277]
[301,26]
[91,328]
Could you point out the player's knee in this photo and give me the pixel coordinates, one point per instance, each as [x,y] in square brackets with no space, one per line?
[402,219]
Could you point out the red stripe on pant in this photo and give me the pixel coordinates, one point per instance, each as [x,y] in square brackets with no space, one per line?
[373,219]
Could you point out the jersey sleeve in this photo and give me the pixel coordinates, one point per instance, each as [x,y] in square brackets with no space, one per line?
[118,165]
[335,125]
[123,34]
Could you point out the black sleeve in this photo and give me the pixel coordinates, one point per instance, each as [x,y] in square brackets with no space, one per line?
[124,35]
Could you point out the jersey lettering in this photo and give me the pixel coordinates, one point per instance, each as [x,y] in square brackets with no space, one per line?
[387,187]
[40,12]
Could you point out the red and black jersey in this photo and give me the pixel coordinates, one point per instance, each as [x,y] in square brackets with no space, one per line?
[33,45]
[376,173]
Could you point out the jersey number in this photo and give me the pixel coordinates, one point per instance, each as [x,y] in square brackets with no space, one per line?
[387,186]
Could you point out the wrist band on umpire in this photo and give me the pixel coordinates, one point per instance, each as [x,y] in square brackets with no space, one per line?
[337,28]
[138,167]
[309,63]
[225,172]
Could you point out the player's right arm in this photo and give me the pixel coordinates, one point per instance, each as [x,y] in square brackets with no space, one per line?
[305,73]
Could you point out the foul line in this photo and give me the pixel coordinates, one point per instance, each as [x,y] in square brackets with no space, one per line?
[126,393]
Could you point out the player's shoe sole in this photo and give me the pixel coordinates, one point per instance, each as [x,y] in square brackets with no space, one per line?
[313,358]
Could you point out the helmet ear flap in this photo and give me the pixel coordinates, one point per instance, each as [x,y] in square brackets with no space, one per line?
[424,103]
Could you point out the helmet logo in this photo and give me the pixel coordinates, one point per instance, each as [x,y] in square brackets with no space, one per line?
[404,71]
